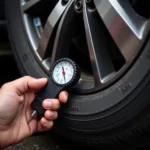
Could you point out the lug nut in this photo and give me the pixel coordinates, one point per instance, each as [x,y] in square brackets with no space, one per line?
[78,5]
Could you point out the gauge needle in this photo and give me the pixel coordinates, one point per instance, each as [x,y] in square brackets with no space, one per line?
[63,72]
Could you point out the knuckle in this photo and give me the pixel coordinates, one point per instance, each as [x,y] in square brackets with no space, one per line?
[51,115]
[47,104]
[56,103]
[44,103]
[56,115]
[46,113]
[26,78]
[6,85]
[51,124]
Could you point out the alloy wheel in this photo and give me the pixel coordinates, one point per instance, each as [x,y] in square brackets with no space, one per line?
[103,36]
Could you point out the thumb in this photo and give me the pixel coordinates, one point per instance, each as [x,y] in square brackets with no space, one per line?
[27,83]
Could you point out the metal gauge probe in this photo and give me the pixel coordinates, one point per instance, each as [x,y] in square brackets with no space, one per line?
[64,74]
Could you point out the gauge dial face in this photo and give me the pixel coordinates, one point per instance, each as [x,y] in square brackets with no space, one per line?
[63,72]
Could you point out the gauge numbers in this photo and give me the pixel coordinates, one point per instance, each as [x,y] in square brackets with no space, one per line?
[63,72]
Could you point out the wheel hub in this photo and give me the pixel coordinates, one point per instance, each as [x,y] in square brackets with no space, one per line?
[103,37]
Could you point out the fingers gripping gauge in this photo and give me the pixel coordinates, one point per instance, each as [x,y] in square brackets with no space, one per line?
[64,74]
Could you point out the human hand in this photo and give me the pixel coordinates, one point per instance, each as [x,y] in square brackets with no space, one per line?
[15,109]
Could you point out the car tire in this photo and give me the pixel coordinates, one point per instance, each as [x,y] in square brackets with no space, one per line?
[117,116]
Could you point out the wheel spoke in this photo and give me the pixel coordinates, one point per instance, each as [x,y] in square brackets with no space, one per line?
[66,30]
[28,5]
[51,23]
[101,61]
[127,29]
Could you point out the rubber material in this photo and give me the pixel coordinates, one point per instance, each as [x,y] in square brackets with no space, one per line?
[118,116]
